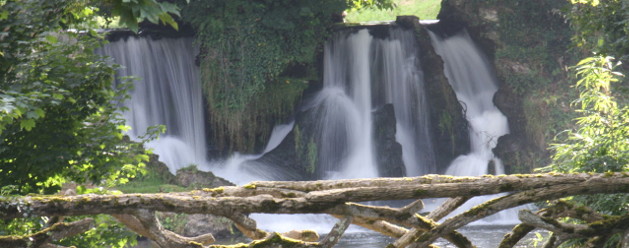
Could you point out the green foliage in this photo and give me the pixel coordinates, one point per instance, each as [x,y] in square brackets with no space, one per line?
[131,12]
[59,118]
[108,233]
[251,49]
[153,181]
[600,143]
[371,4]
[601,26]
[531,61]
[424,9]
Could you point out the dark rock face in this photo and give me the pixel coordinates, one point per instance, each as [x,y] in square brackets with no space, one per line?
[388,150]
[449,126]
[527,42]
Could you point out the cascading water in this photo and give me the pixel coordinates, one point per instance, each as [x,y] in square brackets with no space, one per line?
[362,72]
[167,93]
[469,73]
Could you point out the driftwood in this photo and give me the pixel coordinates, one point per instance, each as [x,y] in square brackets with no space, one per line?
[595,228]
[336,198]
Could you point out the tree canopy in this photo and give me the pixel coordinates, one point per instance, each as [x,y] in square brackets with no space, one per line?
[59,112]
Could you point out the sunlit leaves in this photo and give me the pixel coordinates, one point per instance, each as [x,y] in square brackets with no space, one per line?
[377,4]
[59,118]
[600,142]
[601,26]
[596,75]
[131,12]
[591,2]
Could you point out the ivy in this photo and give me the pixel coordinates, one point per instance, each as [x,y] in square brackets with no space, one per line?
[251,49]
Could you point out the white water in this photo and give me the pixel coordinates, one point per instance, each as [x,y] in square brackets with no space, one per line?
[473,81]
[347,95]
[362,72]
[167,93]
[403,84]
[243,168]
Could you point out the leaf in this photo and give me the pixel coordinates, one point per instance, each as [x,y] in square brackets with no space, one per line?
[52,39]
[167,19]
[57,96]
[4,15]
[32,115]
[27,124]
[40,112]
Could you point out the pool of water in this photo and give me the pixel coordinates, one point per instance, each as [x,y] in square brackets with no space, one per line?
[480,236]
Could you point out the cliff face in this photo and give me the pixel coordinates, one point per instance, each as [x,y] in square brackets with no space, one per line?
[527,42]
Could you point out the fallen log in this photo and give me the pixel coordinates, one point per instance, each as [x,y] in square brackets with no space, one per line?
[330,197]
[225,204]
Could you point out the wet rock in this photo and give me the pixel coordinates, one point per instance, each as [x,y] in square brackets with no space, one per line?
[449,126]
[388,150]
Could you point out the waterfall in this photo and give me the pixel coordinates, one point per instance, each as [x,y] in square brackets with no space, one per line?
[475,84]
[166,92]
[362,72]
[403,83]
[364,69]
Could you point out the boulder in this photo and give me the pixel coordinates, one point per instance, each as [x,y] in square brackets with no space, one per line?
[192,177]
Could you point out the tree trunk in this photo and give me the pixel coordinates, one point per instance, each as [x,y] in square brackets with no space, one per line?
[331,197]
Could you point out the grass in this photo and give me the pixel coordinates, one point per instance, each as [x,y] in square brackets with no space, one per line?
[424,9]
[151,182]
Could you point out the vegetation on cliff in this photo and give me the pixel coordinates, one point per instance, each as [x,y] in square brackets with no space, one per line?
[257,59]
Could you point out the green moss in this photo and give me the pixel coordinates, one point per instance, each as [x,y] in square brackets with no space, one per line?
[218,190]
[256,60]
[311,156]
[276,239]
[289,195]
[250,186]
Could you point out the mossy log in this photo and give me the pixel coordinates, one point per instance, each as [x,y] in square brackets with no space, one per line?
[330,197]
[596,228]
[42,238]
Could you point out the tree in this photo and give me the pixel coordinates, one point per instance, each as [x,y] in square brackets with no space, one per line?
[59,118]
[601,26]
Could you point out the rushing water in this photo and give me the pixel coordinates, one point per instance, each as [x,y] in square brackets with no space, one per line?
[475,84]
[481,237]
[361,73]
[166,92]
